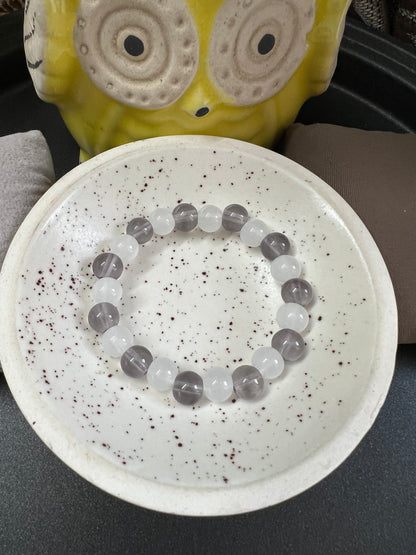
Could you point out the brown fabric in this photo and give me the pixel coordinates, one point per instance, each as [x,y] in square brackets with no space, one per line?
[375,172]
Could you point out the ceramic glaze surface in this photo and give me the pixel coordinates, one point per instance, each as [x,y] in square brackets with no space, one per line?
[122,70]
[201,300]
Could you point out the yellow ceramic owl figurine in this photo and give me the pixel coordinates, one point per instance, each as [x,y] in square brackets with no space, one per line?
[123,70]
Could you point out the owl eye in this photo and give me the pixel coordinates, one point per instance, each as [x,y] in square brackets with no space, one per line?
[133,45]
[266,44]
[143,54]
[257,45]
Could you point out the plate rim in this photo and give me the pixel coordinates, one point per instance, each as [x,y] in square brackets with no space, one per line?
[216,501]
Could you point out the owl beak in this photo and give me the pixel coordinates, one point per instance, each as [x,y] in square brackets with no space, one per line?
[197,101]
[201,112]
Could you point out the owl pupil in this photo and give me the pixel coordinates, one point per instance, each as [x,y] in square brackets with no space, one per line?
[133,45]
[266,44]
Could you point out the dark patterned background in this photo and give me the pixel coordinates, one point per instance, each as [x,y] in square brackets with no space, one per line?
[395,17]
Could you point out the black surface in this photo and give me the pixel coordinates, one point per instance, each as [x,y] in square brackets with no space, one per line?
[367,506]
[374,85]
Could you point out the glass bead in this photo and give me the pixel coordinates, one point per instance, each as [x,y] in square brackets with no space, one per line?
[297,290]
[135,361]
[107,264]
[141,229]
[253,232]
[107,290]
[275,244]
[116,340]
[289,343]
[188,388]
[285,267]
[234,217]
[248,382]
[292,316]
[162,221]
[162,373]
[269,362]
[218,384]
[103,316]
[210,218]
[185,216]
[125,246]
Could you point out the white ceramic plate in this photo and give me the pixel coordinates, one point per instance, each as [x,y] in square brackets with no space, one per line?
[202,300]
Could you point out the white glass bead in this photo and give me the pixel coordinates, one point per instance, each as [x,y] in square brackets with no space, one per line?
[162,221]
[107,290]
[126,247]
[253,232]
[210,218]
[162,373]
[269,362]
[285,267]
[218,384]
[116,340]
[293,316]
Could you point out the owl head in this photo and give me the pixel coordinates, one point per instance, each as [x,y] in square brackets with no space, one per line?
[123,70]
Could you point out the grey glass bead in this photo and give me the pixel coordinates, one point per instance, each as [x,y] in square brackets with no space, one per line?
[289,343]
[248,382]
[298,291]
[185,216]
[107,264]
[103,316]
[136,361]
[141,229]
[188,388]
[234,217]
[274,245]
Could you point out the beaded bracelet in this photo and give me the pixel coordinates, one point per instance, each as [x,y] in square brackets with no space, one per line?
[218,384]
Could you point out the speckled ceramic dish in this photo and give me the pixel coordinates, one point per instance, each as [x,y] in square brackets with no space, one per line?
[202,300]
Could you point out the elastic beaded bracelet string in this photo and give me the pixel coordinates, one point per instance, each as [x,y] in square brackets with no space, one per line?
[217,384]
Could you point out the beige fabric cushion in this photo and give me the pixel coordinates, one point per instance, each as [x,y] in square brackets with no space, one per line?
[26,172]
